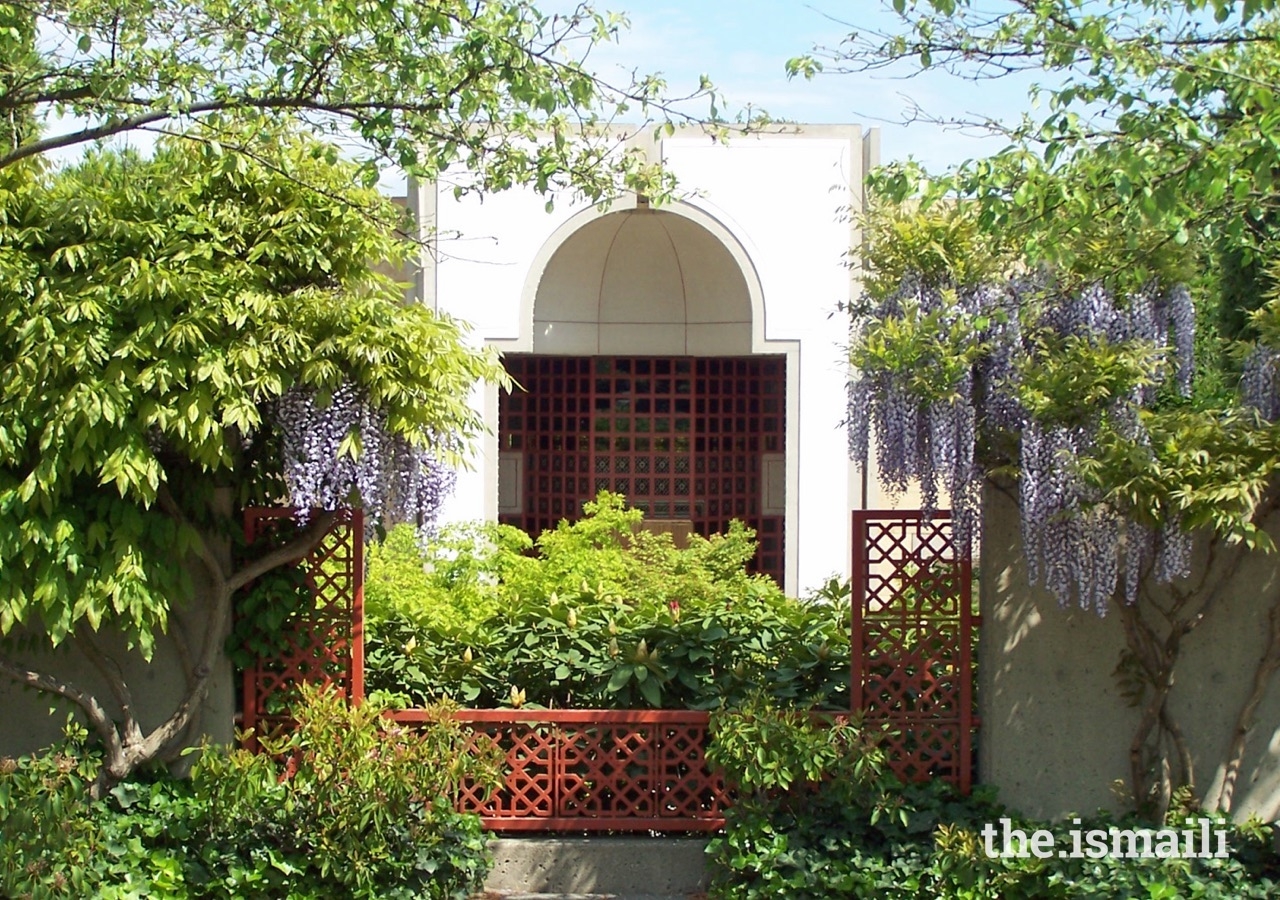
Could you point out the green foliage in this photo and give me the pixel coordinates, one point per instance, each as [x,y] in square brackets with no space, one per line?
[496,86]
[942,245]
[1155,138]
[264,612]
[1206,468]
[366,812]
[151,311]
[766,751]
[1063,381]
[447,585]
[933,350]
[1244,281]
[45,825]
[1265,320]
[881,839]
[606,615]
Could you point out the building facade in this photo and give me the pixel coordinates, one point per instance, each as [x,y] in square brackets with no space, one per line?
[691,356]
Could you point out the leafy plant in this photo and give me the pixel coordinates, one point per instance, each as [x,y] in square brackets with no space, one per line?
[46,827]
[264,613]
[365,810]
[605,615]
[882,839]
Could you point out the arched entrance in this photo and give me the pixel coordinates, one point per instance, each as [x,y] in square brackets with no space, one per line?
[642,381]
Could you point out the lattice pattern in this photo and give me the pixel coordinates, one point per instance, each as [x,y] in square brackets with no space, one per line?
[682,438]
[530,751]
[581,770]
[550,423]
[327,648]
[913,628]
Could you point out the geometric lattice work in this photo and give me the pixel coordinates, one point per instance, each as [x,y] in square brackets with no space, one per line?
[325,647]
[913,637]
[682,438]
[593,770]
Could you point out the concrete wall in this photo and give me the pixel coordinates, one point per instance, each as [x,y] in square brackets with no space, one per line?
[31,720]
[1055,730]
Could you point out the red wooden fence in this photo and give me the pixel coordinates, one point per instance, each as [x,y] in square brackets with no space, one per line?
[642,770]
[327,648]
[595,770]
[912,653]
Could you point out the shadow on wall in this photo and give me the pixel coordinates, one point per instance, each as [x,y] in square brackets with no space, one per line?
[1056,727]
[32,720]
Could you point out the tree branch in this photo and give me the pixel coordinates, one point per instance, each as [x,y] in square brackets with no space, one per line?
[111,673]
[1266,668]
[93,711]
[293,551]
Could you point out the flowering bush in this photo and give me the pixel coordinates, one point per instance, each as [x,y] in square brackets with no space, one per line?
[1123,429]
[959,370]
[605,615]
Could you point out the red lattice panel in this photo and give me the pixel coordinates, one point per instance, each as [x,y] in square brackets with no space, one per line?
[607,771]
[681,437]
[596,770]
[913,629]
[528,793]
[740,406]
[549,422]
[328,647]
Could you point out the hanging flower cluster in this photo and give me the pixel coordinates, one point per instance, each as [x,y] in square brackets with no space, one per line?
[916,390]
[1260,381]
[1016,344]
[341,452]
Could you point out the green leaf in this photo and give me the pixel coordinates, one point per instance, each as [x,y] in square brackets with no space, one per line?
[619,679]
[651,690]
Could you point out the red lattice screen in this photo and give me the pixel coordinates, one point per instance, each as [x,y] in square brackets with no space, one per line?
[913,629]
[595,770]
[325,648]
[682,438]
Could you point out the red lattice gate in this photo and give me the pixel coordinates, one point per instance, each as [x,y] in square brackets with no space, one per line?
[912,649]
[683,438]
[324,648]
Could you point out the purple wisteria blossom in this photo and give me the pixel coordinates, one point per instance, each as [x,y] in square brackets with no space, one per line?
[339,453]
[1076,546]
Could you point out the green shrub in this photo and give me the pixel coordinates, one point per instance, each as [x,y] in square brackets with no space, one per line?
[366,809]
[605,615]
[818,817]
[47,828]
[445,587]
[366,812]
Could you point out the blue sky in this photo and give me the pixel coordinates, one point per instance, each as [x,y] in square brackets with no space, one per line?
[743,46]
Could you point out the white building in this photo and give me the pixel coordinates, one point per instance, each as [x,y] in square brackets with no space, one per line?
[690,356]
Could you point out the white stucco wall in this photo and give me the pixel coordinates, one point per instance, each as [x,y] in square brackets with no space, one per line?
[782,204]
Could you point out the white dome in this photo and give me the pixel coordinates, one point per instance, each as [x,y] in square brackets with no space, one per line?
[642,281]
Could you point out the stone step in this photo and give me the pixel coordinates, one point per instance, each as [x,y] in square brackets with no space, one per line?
[597,868]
